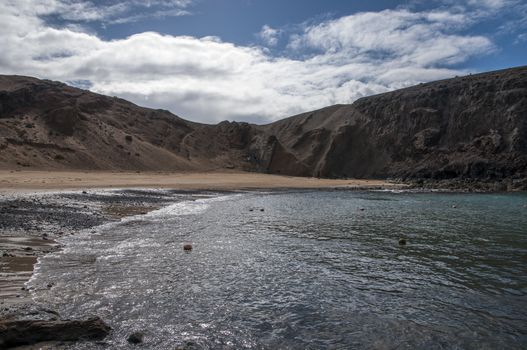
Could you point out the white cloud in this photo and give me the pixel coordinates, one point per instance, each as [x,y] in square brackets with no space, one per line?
[269,35]
[422,39]
[112,11]
[492,4]
[206,79]
[521,39]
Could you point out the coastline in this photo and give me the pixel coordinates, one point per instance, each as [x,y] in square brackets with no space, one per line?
[32,225]
[17,181]
[38,208]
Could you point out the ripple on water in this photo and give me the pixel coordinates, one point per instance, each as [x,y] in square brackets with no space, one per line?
[311,271]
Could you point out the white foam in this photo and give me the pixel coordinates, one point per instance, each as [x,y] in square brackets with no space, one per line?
[191,207]
[188,207]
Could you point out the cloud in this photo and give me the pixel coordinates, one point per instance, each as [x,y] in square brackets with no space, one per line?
[520,39]
[269,35]
[515,22]
[423,39]
[209,80]
[156,14]
[491,4]
[112,11]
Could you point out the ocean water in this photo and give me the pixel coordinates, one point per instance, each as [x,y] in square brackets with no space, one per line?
[313,270]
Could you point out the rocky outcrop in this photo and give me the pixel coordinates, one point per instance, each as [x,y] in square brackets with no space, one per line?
[460,131]
[26,332]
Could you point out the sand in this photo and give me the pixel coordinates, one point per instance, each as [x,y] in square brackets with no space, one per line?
[14,181]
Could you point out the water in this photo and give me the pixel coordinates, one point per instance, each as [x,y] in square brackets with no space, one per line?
[315,270]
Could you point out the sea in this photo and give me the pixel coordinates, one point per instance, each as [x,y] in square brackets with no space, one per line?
[302,270]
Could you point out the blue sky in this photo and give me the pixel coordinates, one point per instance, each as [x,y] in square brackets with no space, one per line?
[256,60]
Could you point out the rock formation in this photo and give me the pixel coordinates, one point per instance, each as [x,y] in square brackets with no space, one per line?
[467,130]
[26,332]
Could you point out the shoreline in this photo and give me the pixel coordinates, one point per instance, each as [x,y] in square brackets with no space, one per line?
[33,223]
[55,197]
[20,181]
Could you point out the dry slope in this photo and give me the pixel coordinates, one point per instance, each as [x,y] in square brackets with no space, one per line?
[466,130]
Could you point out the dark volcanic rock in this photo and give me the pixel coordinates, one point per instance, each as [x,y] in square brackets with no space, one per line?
[472,127]
[63,120]
[136,338]
[27,332]
[457,133]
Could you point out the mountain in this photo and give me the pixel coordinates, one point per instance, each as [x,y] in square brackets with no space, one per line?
[467,130]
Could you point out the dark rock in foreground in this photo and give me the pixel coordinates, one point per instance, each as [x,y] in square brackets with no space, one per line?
[27,332]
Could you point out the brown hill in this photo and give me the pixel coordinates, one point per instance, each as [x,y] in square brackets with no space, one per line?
[468,129]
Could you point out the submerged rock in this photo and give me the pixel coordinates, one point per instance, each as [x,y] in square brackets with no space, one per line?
[26,332]
[136,338]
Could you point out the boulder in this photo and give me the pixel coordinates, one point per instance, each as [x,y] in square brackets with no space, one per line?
[26,332]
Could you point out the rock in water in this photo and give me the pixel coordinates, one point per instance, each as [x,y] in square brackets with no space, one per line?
[27,332]
[187,247]
[136,338]
[402,241]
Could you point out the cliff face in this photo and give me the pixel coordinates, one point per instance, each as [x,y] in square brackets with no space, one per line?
[465,129]
[469,128]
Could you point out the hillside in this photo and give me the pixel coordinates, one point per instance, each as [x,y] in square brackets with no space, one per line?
[468,130]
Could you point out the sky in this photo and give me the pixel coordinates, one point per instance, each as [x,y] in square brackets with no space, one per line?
[256,60]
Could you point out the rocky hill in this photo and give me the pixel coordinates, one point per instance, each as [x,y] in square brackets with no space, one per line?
[465,131]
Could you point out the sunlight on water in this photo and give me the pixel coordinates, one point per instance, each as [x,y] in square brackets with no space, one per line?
[313,270]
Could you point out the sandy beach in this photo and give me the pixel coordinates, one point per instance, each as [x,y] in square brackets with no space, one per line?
[14,181]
